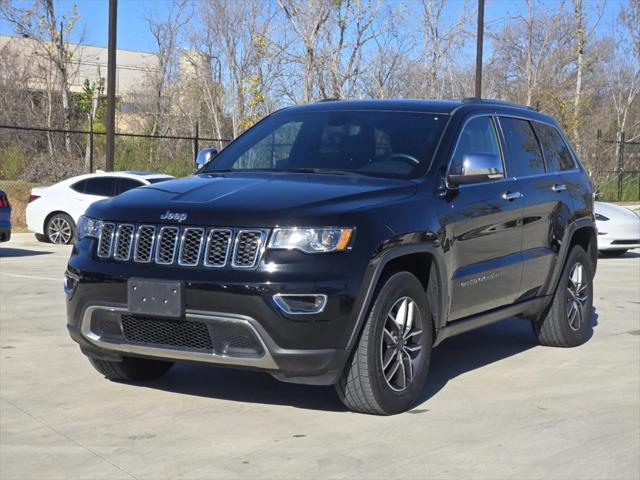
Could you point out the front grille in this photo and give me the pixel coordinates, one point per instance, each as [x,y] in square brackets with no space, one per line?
[248,244]
[182,246]
[626,242]
[167,333]
[106,240]
[124,241]
[167,244]
[191,247]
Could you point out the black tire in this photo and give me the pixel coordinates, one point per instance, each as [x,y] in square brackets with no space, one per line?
[60,229]
[614,253]
[42,238]
[131,369]
[560,327]
[363,386]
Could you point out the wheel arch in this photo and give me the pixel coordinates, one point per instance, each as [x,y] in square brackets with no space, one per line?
[425,261]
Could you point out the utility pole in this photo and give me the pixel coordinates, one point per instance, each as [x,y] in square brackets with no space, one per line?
[111,85]
[479,42]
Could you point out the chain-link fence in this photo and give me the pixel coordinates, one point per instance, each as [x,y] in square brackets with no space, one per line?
[33,156]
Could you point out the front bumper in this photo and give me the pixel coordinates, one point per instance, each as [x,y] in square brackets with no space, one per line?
[297,348]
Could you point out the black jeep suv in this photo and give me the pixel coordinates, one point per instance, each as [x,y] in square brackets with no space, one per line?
[338,243]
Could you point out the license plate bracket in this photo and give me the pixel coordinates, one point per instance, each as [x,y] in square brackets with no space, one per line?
[160,298]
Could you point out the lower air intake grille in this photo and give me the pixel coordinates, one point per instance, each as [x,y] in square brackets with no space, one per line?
[167,333]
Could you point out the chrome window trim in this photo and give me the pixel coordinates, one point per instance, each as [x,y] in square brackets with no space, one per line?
[136,258]
[113,232]
[205,260]
[175,244]
[265,361]
[497,133]
[117,239]
[259,250]
[181,247]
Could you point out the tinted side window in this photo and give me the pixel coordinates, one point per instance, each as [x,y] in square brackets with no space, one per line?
[555,149]
[80,186]
[102,186]
[524,156]
[127,184]
[477,136]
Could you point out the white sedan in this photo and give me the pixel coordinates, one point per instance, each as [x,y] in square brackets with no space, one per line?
[618,229]
[53,212]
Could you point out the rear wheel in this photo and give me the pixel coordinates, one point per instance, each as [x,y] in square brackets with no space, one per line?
[60,229]
[41,238]
[389,365]
[568,321]
[131,368]
[614,253]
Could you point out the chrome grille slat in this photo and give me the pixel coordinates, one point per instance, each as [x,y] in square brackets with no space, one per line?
[218,246]
[191,246]
[145,239]
[247,248]
[123,242]
[105,242]
[184,246]
[167,245]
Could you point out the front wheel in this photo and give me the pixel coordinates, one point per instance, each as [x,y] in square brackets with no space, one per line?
[568,321]
[389,365]
[60,229]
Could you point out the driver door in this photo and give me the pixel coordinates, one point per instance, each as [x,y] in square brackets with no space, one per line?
[485,227]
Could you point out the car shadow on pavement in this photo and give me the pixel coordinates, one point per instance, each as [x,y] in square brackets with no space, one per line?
[456,356]
[20,252]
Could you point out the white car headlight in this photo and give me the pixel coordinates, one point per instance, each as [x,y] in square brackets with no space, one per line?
[312,240]
[89,227]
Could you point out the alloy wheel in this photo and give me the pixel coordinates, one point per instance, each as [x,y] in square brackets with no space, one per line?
[401,347]
[577,296]
[59,231]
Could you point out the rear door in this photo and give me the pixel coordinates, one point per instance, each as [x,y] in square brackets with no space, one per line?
[485,228]
[545,198]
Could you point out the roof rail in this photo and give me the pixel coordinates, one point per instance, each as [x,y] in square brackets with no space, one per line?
[496,102]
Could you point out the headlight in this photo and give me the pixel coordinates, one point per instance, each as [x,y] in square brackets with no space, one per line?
[312,240]
[601,218]
[89,227]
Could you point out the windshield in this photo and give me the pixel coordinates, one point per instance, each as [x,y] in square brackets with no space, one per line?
[378,143]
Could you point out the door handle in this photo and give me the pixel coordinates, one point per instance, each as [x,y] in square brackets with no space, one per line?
[559,187]
[512,196]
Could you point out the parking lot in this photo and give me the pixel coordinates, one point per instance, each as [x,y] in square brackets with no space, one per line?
[496,404]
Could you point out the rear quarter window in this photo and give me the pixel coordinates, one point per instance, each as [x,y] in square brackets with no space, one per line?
[556,151]
[524,156]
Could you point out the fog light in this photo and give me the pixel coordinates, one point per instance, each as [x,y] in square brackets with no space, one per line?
[70,283]
[300,303]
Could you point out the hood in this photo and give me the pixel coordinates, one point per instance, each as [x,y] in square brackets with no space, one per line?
[251,199]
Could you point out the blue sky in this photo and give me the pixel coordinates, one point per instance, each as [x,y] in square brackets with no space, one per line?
[133,32]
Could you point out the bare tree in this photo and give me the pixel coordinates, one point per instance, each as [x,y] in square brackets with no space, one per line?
[41,23]
[307,18]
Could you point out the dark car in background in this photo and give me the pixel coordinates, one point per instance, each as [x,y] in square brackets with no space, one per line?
[5,217]
[337,243]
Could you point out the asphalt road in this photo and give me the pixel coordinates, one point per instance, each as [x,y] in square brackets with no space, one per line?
[496,404]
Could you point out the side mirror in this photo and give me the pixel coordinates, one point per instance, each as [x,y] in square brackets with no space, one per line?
[205,156]
[477,168]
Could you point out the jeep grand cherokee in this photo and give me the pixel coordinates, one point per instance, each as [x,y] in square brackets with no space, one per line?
[338,243]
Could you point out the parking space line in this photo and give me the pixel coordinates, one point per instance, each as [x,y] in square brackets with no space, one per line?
[35,277]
